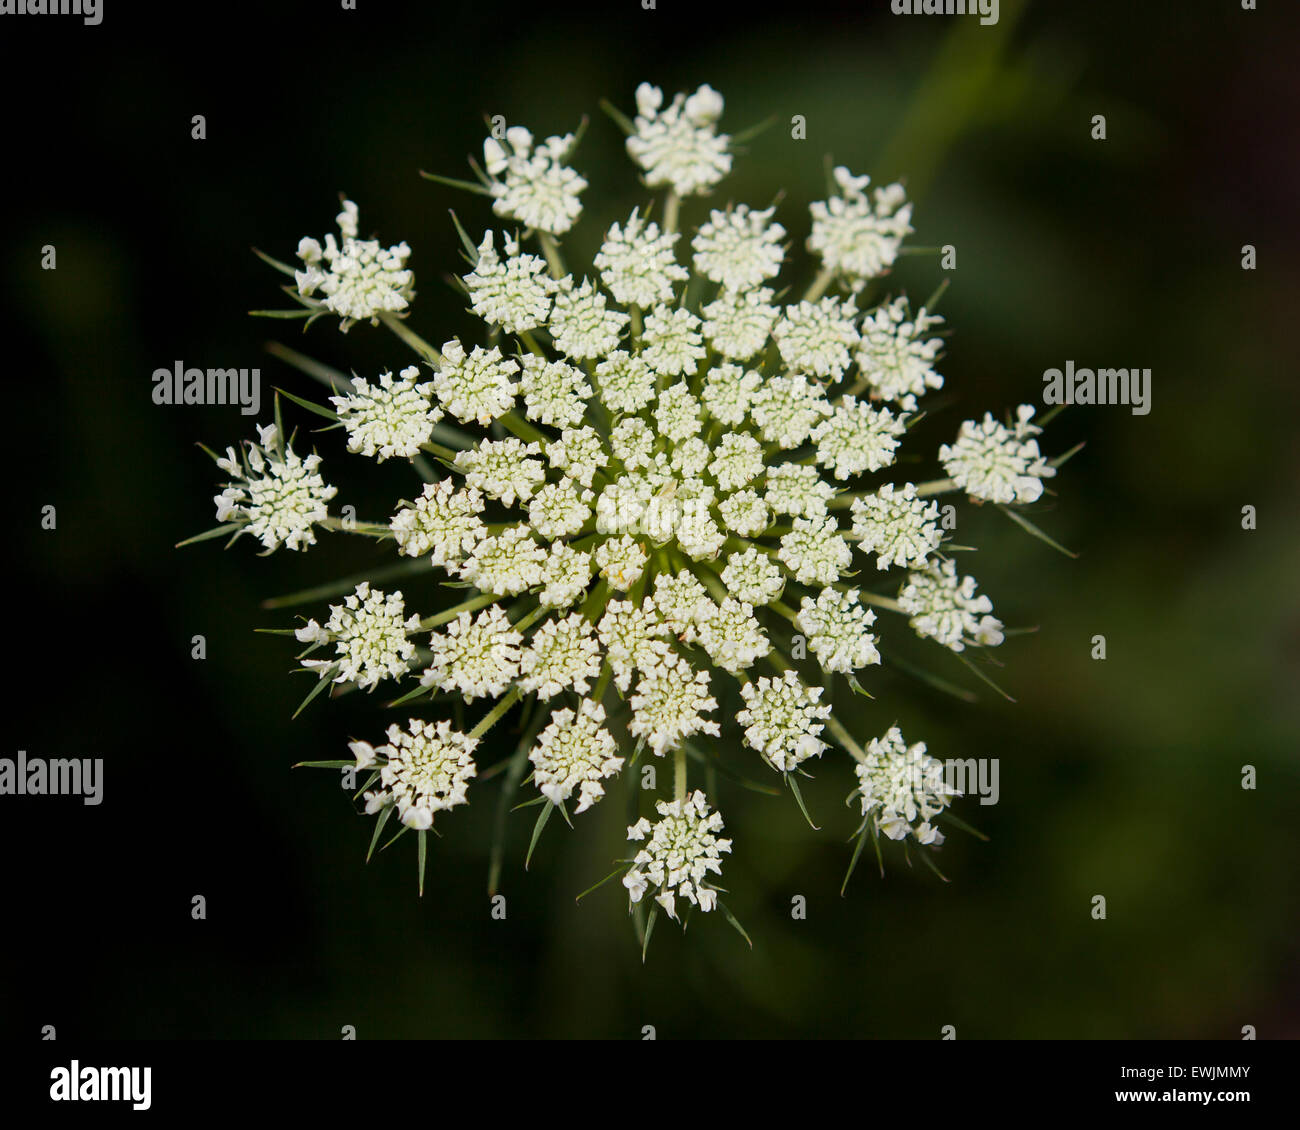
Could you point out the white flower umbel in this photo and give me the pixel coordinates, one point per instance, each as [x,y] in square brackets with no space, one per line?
[798,490]
[582,326]
[837,627]
[476,656]
[683,850]
[503,469]
[649,477]
[739,248]
[669,705]
[782,720]
[427,769]
[443,523]
[737,323]
[514,295]
[897,526]
[672,341]
[785,408]
[392,418]
[555,393]
[945,608]
[992,462]
[579,453]
[369,637]
[893,358]
[678,145]
[753,577]
[565,576]
[505,564]
[359,279]
[636,263]
[901,789]
[531,183]
[562,655]
[856,438]
[814,551]
[817,338]
[277,495]
[732,635]
[575,751]
[858,237]
[476,386]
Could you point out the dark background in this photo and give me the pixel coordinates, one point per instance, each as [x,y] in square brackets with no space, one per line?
[1119,777]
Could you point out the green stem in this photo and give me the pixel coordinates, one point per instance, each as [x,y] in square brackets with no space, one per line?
[471,605]
[672,204]
[836,727]
[551,249]
[819,284]
[413,339]
[494,715]
[936,486]
[679,773]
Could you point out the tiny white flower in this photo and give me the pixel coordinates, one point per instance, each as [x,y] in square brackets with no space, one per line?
[739,248]
[732,635]
[370,638]
[559,510]
[753,577]
[562,655]
[443,523]
[632,637]
[896,525]
[945,608]
[636,263]
[626,383]
[728,392]
[361,280]
[737,323]
[815,552]
[818,337]
[632,442]
[428,769]
[737,460]
[621,561]
[671,341]
[581,325]
[782,720]
[856,438]
[475,386]
[579,453]
[678,146]
[837,627]
[565,576]
[555,393]
[785,408]
[575,752]
[532,184]
[798,490]
[505,564]
[745,513]
[892,356]
[858,237]
[901,788]
[392,418]
[683,849]
[277,495]
[678,413]
[669,705]
[515,294]
[504,469]
[999,464]
[477,656]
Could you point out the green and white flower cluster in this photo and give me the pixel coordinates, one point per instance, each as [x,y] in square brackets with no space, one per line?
[650,483]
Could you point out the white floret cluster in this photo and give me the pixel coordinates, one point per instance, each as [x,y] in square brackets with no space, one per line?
[648,507]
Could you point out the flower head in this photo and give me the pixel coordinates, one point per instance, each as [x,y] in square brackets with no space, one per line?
[901,788]
[682,851]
